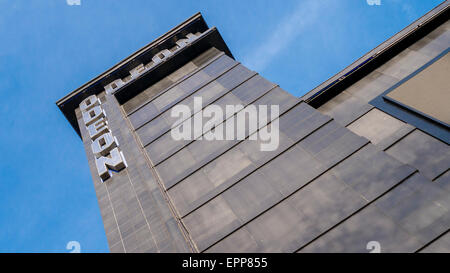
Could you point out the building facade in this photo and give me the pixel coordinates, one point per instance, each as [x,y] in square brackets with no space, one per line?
[361,162]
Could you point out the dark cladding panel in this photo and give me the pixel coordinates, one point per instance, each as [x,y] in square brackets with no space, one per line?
[210,224]
[443,181]
[239,241]
[160,125]
[284,174]
[366,226]
[332,143]
[221,173]
[376,126]
[405,218]
[240,161]
[165,145]
[143,97]
[435,42]
[273,236]
[252,194]
[441,245]
[314,199]
[298,219]
[197,153]
[315,209]
[429,155]
[361,171]
[177,75]
[292,170]
[181,90]
[403,64]
[371,86]
[252,89]
[419,207]
[345,108]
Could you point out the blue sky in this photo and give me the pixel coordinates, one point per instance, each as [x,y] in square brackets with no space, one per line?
[50,48]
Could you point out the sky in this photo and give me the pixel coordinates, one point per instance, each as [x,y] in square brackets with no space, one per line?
[49,48]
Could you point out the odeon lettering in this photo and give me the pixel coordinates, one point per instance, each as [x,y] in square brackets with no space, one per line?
[156,59]
[105,146]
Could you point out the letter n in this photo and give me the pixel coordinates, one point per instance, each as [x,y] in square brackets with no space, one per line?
[114,161]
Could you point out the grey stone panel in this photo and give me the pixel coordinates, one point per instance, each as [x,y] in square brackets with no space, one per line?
[426,153]
[106,208]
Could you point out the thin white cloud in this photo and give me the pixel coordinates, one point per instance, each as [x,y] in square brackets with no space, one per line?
[285,32]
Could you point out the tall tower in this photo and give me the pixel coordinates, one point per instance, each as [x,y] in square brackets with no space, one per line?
[332,182]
